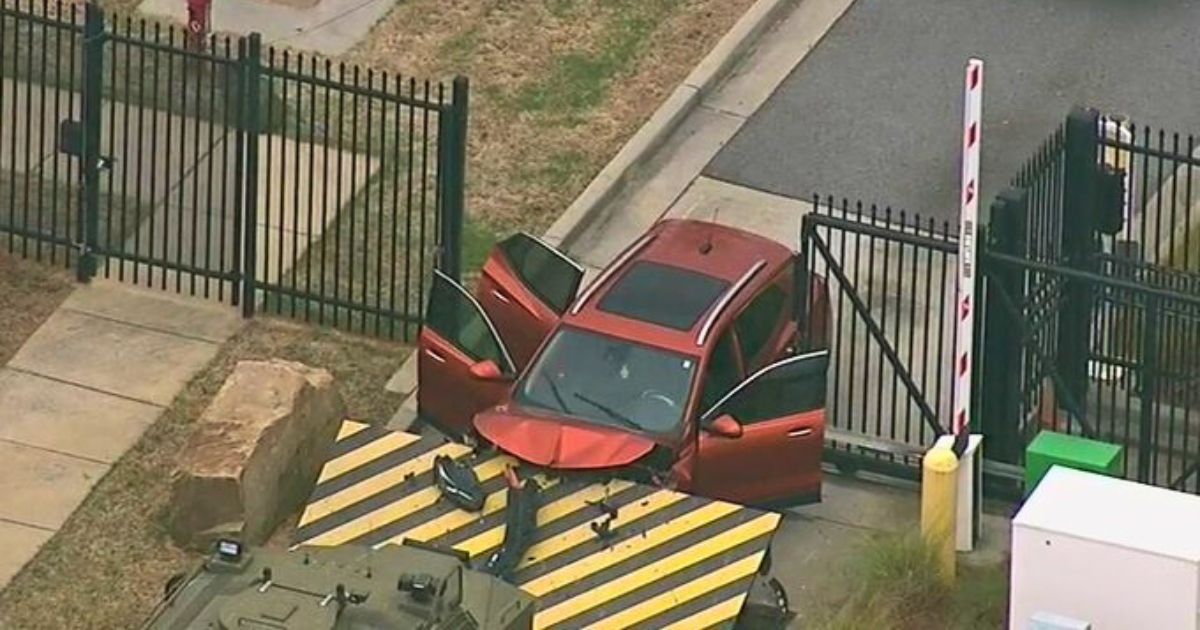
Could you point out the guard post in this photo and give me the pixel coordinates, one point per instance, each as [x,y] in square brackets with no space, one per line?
[939,504]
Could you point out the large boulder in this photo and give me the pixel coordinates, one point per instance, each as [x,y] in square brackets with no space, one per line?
[255,452]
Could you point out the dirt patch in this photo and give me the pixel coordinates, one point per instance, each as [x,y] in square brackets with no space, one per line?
[107,566]
[29,293]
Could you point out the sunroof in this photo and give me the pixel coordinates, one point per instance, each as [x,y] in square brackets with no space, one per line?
[663,295]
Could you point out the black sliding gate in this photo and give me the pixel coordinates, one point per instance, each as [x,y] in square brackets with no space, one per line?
[1089,302]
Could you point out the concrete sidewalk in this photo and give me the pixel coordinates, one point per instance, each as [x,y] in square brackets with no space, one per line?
[81,391]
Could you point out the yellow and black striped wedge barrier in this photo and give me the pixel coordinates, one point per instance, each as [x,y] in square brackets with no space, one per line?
[672,560]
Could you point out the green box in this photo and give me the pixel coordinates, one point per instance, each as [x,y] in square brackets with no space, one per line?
[1050,448]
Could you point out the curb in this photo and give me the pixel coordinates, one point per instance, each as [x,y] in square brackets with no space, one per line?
[587,207]
[666,119]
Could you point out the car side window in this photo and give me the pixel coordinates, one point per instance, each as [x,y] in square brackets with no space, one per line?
[455,316]
[549,274]
[760,319]
[788,387]
[722,373]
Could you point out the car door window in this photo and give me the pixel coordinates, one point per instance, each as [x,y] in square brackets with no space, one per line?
[456,316]
[551,276]
[788,387]
[757,323]
[722,372]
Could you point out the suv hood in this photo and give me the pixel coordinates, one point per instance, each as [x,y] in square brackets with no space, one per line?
[557,443]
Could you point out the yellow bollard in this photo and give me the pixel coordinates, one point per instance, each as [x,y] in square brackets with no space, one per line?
[939,498]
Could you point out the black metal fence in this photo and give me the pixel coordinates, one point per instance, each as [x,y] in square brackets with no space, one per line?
[1090,266]
[1089,304]
[278,181]
[891,277]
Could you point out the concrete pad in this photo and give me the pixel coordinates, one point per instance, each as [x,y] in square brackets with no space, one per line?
[768,215]
[877,506]
[21,543]
[668,174]
[158,310]
[113,357]
[331,27]
[56,416]
[42,488]
[404,381]
[810,558]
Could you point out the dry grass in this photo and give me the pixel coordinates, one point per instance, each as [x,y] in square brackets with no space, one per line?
[106,567]
[29,293]
[557,85]
[892,584]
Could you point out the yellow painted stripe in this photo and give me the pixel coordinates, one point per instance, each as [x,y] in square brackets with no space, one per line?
[718,613]
[374,485]
[680,595]
[650,573]
[401,508]
[365,454]
[574,536]
[350,427]
[455,519]
[628,548]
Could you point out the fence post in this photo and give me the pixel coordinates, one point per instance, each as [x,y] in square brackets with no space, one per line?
[1078,227]
[251,66]
[452,154]
[999,384]
[1148,382]
[89,157]
[802,276]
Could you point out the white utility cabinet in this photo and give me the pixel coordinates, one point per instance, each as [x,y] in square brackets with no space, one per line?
[1095,552]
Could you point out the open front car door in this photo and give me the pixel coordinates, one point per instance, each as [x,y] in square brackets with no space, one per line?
[525,286]
[762,441]
[463,366]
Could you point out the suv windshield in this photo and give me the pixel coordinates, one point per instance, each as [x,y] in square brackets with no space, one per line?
[609,381]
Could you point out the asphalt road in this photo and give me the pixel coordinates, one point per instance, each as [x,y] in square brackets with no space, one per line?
[874,113]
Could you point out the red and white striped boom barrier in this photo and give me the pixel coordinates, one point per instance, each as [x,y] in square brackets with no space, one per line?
[968,231]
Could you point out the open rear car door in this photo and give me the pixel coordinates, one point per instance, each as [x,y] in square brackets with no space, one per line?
[762,441]
[463,366]
[525,286]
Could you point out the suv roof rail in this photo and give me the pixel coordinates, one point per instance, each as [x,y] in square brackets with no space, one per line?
[723,303]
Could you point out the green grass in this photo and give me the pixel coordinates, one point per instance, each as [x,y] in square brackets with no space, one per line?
[579,80]
[458,50]
[895,586]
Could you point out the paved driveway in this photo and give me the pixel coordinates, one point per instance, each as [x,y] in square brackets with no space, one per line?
[874,111]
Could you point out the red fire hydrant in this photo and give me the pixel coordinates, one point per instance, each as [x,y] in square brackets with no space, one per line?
[199,14]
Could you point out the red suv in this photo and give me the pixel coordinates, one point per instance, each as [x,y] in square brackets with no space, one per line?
[679,360]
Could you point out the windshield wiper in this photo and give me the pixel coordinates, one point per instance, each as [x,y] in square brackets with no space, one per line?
[609,411]
[558,397]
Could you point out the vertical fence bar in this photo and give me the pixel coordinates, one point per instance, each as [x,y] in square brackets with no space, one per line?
[93,75]
[452,151]
[1147,445]
[312,158]
[41,170]
[237,99]
[251,75]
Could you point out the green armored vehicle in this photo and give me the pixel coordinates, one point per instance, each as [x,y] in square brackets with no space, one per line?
[339,588]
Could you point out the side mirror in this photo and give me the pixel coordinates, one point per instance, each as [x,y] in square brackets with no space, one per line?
[486,370]
[725,426]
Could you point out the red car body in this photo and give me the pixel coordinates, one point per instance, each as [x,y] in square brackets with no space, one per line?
[680,358]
